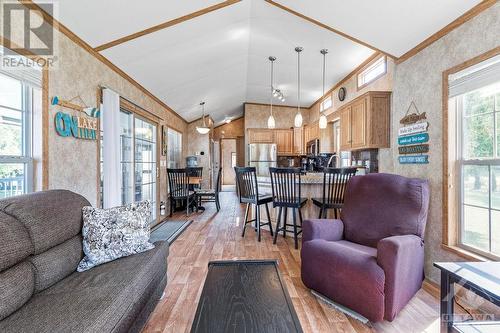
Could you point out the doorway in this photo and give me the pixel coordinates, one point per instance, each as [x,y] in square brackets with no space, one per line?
[229,159]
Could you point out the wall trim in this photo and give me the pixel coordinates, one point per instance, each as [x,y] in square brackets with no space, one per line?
[165,25]
[80,42]
[45,128]
[468,15]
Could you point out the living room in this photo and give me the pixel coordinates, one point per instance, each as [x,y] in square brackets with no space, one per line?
[153,150]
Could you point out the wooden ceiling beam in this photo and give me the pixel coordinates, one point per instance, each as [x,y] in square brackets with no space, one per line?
[324,26]
[166,25]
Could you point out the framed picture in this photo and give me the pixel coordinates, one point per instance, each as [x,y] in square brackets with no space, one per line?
[164,136]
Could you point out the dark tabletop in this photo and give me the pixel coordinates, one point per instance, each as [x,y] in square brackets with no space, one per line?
[245,296]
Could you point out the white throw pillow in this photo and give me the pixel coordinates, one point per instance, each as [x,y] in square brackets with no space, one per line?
[109,234]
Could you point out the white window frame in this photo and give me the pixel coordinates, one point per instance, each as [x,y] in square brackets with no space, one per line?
[324,105]
[361,83]
[27,113]
[461,163]
[179,134]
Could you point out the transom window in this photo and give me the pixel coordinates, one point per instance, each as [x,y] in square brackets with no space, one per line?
[326,104]
[476,99]
[375,70]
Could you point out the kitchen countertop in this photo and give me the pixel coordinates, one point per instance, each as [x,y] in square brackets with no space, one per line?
[309,178]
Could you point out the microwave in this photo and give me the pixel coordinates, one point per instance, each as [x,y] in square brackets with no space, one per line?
[312,147]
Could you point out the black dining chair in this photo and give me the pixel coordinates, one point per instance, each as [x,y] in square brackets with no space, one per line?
[195,172]
[210,195]
[178,182]
[334,185]
[246,181]
[286,184]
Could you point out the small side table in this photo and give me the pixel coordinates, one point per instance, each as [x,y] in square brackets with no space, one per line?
[482,278]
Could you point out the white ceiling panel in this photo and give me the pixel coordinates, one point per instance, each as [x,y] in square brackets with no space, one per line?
[98,22]
[393,26]
[198,60]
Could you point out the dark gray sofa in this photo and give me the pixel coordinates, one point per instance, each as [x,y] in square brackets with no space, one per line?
[40,290]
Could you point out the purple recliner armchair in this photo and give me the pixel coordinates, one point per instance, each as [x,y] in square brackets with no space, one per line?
[372,259]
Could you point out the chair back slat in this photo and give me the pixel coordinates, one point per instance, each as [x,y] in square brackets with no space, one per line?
[178,183]
[285,185]
[219,180]
[334,184]
[195,171]
[246,180]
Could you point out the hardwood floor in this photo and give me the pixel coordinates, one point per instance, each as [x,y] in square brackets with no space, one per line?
[215,236]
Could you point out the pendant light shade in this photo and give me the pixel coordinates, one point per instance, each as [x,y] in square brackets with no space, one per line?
[298,116]
[271,123]
[203,129]
[323,122]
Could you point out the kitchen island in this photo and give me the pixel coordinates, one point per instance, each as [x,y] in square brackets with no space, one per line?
[312,187]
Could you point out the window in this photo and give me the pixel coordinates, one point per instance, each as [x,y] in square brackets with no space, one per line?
[138,160]
[18,98]
[475,96]
[375,70]
[325,104]
[174,149]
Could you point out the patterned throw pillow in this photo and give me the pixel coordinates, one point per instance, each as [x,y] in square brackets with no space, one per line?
[109,234]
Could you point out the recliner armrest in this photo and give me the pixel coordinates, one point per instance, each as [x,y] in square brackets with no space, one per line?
[402,259]
[327,229]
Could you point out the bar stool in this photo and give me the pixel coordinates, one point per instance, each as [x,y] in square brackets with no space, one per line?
[334,185]
[246,180]
[286,183]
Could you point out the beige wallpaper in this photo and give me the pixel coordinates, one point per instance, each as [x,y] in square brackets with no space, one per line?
[419,79]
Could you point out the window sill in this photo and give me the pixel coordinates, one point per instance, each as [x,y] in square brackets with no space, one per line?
[468,255]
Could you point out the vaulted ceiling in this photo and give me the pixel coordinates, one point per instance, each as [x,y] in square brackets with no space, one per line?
[205,50]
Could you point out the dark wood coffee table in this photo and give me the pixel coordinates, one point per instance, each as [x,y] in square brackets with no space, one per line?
[245,296]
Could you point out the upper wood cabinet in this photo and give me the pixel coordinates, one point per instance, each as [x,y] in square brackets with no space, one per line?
[258,135]
[298,140]
[311,132]
[364,122]
[284,141]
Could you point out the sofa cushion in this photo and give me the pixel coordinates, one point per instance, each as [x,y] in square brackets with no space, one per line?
[15,242]
[16,287]
[347,273]
[103,299]
[109,234]
[56,263]
[51,217]
[369,217]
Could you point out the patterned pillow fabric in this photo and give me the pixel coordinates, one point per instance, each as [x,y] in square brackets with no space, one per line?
[109,234]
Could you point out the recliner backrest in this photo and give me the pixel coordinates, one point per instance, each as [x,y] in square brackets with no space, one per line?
[40,243]
[381,205]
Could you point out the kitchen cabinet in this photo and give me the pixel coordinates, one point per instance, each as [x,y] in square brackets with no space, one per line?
[364,122]
[298,140]
[311,132]
[260,135]
[284,141]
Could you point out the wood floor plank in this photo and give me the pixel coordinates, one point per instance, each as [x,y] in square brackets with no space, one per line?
[217,236]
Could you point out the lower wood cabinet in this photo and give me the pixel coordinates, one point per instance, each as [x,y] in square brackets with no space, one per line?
[365,122]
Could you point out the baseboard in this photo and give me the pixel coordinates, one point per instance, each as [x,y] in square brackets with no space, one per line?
[432,288]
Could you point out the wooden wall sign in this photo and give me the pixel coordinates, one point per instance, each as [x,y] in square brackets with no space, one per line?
[78,127]
[417,149]
[415,128]
[414,159]
[413,139]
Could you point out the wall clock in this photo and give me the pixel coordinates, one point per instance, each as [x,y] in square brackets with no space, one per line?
[342,94]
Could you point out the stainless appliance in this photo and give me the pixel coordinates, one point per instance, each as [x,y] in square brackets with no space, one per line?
[262,156]
[312,147]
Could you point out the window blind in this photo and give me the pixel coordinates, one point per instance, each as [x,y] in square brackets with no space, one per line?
[475,77]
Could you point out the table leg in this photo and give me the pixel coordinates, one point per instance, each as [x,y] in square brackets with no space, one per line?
[447,295]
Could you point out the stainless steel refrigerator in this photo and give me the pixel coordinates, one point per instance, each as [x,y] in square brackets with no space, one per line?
[262,156]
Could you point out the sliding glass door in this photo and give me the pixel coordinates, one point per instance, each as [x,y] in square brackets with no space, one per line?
[138,160]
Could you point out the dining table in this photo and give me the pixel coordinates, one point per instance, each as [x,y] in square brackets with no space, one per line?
[195,181]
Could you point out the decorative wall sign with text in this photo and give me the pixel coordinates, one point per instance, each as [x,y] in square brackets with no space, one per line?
[80,127]
[413,137]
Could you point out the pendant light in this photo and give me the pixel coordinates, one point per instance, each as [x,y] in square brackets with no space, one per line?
[271,123]
[322,118]
[298,116]
[203,129]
